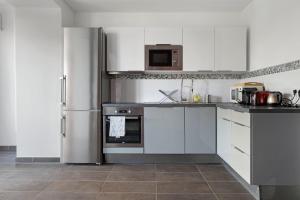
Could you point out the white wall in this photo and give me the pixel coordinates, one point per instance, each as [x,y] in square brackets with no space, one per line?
[7,78]
[38,65]
[157,19]
[284,82]
[67,14]
[274,39]
[128,90]
[274,32]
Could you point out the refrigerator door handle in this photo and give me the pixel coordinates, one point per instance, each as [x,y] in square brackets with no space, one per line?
[63,126]
[63,90]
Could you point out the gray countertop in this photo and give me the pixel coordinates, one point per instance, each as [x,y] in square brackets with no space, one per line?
[155,104]
[258,109]
[233,106]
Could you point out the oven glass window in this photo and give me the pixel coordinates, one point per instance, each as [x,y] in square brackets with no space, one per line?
[160,58]
[133,131]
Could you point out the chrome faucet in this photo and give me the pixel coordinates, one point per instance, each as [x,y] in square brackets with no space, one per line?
[181,88]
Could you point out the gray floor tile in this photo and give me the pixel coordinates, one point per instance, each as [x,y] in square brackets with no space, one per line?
[75,186]
[213,167]
[227,187]
[18,195]
[134,168]
[179,176]
[235,197]
[131,176]
[126,196]
[176,168]
[17,185]
[218,175]
[186,197]
[66,196]
[73,175]
[182,187]
[140,187]
[105,167]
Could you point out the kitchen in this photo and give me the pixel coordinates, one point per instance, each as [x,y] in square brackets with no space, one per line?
[245,41]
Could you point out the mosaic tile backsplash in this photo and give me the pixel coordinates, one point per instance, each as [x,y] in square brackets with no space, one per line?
[211,75]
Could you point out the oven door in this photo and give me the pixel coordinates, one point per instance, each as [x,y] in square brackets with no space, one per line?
[134,136]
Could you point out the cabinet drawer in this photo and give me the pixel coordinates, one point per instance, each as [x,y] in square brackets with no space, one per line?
[224,113]
[240,137]
[242,118]
[240,162]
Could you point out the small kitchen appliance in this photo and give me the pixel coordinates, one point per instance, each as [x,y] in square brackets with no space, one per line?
[163,57]
[241,92]
[274,98]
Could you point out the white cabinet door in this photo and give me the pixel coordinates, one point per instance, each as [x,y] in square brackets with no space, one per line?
[223,134]
[164,130]
[200,130]
[198,49]
[125,48]
[240,162]
[231,48]
[160,35]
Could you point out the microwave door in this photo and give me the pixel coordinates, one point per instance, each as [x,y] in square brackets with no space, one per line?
[160,58]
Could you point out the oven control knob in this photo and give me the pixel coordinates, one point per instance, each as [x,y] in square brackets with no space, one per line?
[116,111]
[129,111]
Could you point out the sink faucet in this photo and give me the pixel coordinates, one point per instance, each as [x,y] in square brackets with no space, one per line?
[181,88]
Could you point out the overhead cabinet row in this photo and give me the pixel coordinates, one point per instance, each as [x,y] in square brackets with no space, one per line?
[204,48]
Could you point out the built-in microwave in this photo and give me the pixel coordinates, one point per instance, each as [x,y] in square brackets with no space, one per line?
[163,57]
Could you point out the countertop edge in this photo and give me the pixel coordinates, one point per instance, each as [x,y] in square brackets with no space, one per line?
[231,106]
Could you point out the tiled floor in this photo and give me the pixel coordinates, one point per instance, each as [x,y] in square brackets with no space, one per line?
[117,182]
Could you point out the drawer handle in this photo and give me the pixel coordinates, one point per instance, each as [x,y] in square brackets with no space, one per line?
[238,149]
[239,124]
[226,119]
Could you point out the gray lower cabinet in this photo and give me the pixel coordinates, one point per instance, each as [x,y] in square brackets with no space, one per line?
[200,130]
[164,130]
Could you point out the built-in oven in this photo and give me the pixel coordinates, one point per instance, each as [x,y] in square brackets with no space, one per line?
[163,57]
[134,126]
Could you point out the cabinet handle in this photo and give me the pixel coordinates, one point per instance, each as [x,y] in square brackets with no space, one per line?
[239,124]
[238,149]
[226,119]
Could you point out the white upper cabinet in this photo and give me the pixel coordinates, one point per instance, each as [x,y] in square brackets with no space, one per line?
[198,49]
[160,35]
[231,48]
[125,48]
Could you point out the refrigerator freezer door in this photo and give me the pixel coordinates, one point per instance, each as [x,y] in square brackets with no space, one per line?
[81,137]
[82,63]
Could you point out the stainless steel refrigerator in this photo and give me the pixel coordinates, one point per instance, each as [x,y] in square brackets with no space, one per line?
[84,86]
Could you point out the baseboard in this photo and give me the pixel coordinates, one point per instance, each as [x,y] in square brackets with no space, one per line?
[8,148]
[161,158]
[252,189]
[37,159]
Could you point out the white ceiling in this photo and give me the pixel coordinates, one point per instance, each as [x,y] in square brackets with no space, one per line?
[33,3]
[157,5]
